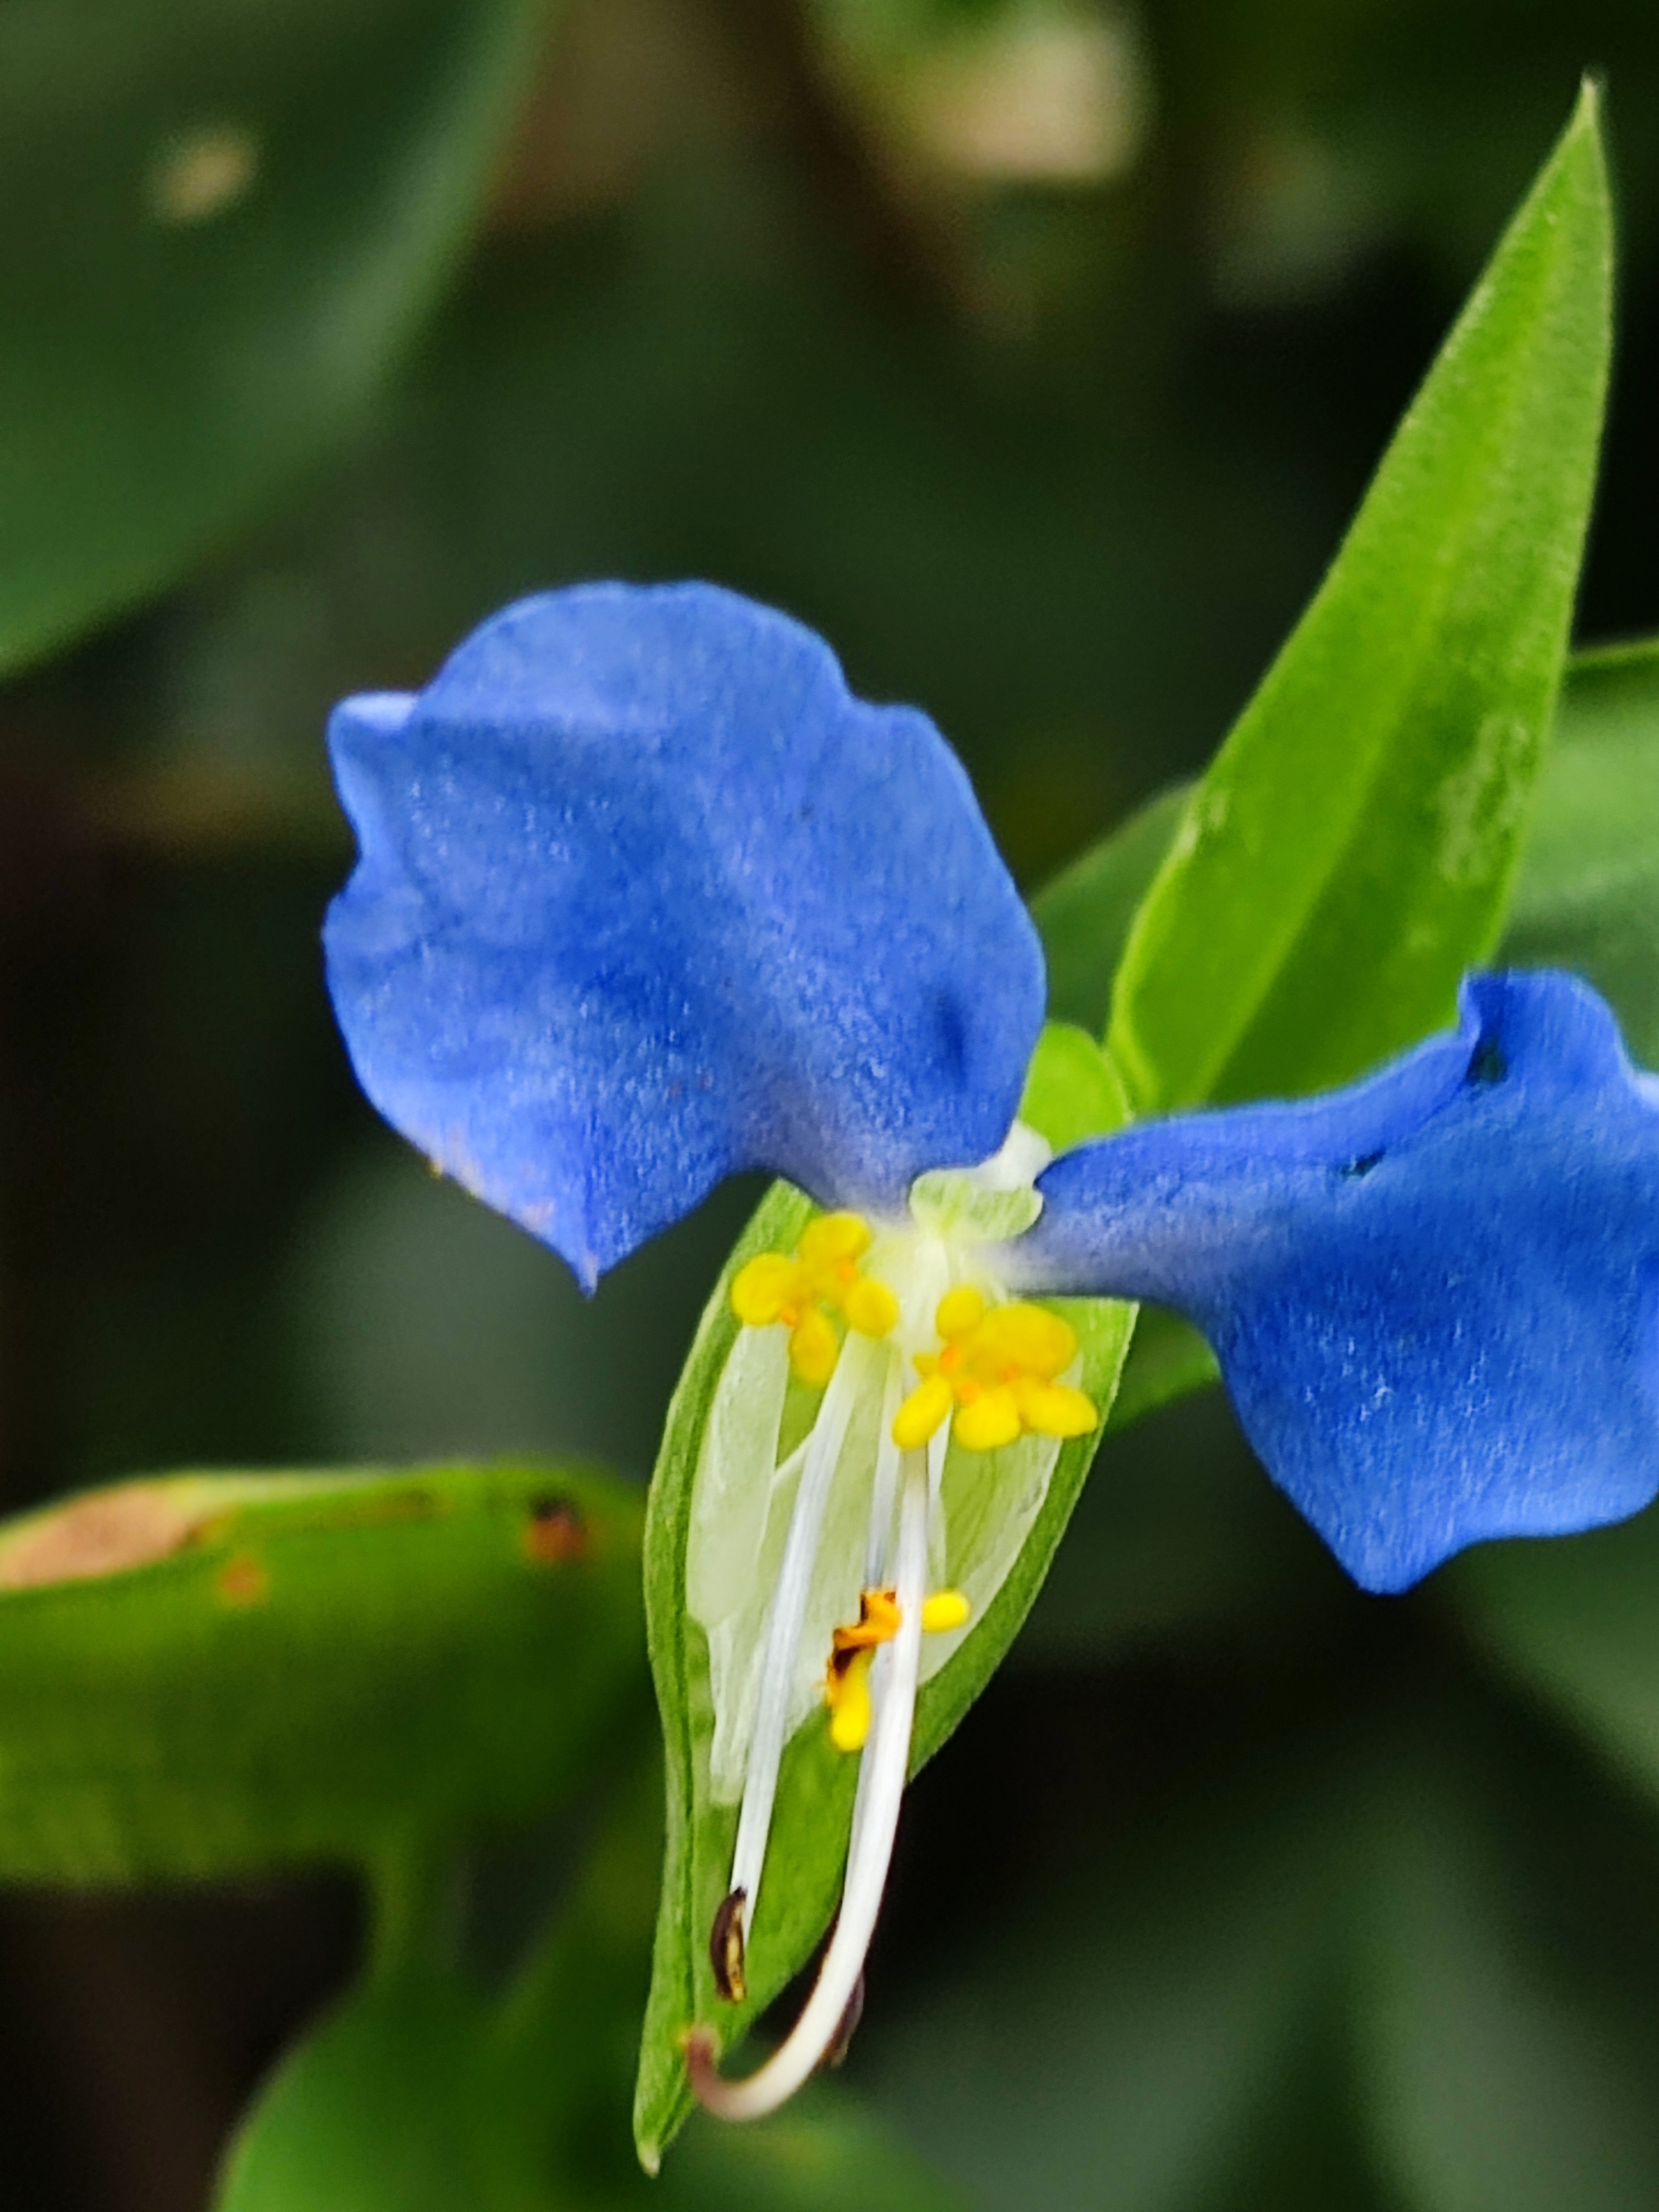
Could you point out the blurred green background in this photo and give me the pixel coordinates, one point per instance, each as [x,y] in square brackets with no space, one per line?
[1037,353]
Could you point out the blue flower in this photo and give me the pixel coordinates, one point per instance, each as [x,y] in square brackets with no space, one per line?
[1434,1296]
[645,896]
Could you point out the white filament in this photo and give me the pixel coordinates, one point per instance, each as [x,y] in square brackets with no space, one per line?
[882,1772]
[885,1491]
[783,1625]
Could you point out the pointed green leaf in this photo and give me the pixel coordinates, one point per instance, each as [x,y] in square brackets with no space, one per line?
[1586,894]
[808,1841]
[209,1674]
[1348,853]
[219,225]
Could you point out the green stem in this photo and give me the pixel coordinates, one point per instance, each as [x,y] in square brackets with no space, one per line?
[414,1896]
[596,1942]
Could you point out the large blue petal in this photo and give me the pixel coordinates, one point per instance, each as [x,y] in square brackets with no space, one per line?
[1434,1297]
[646,896]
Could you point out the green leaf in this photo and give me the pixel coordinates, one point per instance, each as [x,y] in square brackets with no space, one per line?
[1586,897]
[1588,894]
[403,2102]
[1084,916]
[1503,2006]
[209,1674]
[386,2108]
[1167,1359]
[1072,1092]
[1120,2034]
[422,2093]
[806,1849]
[1575,1620]
[1348,853]
[222,224]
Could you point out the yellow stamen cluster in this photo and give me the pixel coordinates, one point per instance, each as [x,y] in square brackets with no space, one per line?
[996,1373]
[846,1684]
[802,1290]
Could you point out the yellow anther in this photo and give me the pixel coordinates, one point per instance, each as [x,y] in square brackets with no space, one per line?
[988,1421]
[960,1312]
[813,1348]
[1054,1409]
[762,1288]
[803,1290]
[944,1611]
[846,1683]
[1029,1337]
[997,1374]
[870,1307]
[831,1239]
[847,1680]
[878,1622]
[848,1697]
[925,1411]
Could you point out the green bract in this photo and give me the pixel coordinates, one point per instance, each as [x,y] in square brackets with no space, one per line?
[807,1846]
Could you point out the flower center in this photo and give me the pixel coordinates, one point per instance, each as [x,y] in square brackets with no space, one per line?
[893,1488]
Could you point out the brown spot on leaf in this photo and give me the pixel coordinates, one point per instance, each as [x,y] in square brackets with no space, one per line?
[108,1533]
[243,1581]
[556,1532]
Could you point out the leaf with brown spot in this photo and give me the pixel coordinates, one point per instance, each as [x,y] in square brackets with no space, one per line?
[208,1675]
[107,1534]
[556,1532]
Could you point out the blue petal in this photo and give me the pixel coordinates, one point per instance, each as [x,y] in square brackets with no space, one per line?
[1434,1297]
[645,896]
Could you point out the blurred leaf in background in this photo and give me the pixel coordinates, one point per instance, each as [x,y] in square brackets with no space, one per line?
[428,2091]
[1588,894]
[225,221]
[212,1674]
